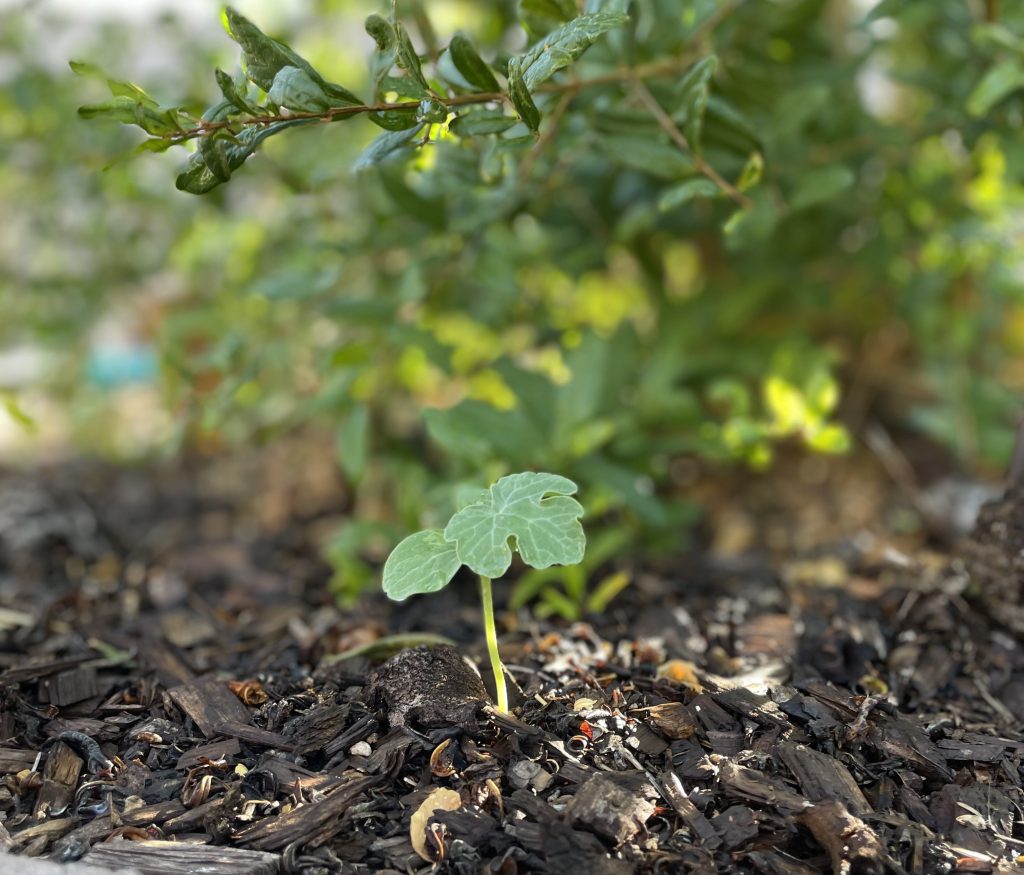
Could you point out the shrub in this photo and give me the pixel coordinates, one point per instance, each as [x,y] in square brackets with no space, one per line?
[659,230]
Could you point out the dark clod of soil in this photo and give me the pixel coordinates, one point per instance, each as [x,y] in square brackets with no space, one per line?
[432,687]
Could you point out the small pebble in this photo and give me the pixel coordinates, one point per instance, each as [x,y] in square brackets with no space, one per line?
[360,749]
[522,773]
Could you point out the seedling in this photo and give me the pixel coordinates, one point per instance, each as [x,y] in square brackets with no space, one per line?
[531,513]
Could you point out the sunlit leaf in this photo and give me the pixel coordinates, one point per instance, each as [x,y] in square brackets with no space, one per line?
[532,511]
[563,46]
[263,58]
[424,562]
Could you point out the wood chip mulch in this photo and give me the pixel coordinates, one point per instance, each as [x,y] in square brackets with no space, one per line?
[171,701]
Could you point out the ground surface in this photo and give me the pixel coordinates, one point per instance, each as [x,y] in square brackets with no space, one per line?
[169,654]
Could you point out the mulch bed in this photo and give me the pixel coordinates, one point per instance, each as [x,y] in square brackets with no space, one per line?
[171,699]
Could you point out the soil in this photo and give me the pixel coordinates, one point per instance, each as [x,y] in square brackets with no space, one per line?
[179,692]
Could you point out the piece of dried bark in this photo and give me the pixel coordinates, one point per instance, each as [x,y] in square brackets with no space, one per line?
[209,702]
[851,843]
[613,805]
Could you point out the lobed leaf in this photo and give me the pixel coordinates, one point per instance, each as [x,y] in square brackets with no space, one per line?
[424,562]
[534,511]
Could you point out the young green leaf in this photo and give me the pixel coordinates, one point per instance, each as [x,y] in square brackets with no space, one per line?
[214,151]
[469,63]
[129,105]
[383,59]
[520,95]
[684,192]
[231,92]
[385,145]
[129,111]
[532,509]
[481,122]
[694,90]
[263,58]
[408,60]
[199,177]
[563,46]
[297,90]
[424,562]
[753,170]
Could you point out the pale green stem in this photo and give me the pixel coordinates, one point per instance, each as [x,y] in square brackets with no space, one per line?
[492,644]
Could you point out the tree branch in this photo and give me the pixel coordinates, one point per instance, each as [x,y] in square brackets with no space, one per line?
[623,74]
[666,123]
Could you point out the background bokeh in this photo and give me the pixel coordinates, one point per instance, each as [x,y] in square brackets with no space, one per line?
[477,306]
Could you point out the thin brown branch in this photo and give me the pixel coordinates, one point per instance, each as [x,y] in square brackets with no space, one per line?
[204,128]
[623,74]
[666,123]
[571,87]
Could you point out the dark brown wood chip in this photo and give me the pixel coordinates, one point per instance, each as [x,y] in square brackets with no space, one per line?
[210,703]
[823,778]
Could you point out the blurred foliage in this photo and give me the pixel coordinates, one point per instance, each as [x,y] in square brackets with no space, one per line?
[730,210]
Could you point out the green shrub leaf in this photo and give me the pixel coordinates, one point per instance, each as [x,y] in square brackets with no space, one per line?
[520,95]
[407,58]
[294,88]
[469,63]
[565,44]
[263,58]
[546,530]
[999,82]
[386,145]
[424,562]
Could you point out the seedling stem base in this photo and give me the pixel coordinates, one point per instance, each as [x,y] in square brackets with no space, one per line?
[492,644]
